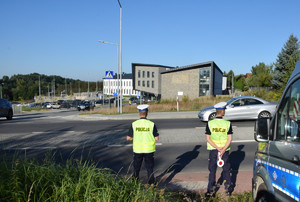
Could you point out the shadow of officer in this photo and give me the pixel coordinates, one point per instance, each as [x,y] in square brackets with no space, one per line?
[235,159]
[182,161]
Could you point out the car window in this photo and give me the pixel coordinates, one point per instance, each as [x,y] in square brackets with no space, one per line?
[282,117]
[251,101]
[289,115]
[236,103]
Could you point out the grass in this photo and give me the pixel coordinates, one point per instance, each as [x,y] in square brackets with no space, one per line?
[22,179]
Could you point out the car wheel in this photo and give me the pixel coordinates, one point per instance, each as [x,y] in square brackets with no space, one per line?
[212,116]
[10,115]
[264,114]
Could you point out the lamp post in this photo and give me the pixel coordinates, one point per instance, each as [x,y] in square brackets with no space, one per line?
[115,44]
[121,56]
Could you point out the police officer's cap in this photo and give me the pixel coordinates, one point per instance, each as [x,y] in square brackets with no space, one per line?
[143,107]
[220,106]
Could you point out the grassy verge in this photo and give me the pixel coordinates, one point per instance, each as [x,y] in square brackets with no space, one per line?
[29,180]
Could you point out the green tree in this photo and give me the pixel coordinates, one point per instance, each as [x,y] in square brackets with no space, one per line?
[289,53]
[261,76]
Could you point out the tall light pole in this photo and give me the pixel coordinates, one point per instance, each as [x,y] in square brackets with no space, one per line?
[118,75]
[121,56]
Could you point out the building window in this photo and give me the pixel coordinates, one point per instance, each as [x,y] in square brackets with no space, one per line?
[148,74]
[139,74]
[148,84]
[152,74]
[143,83]
[152,84]
[204,82]
[139,83]
[143,74]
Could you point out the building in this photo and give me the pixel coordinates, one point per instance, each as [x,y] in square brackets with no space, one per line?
[203,79]
[147,79]
[110,86]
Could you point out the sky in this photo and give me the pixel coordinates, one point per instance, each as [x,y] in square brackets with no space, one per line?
[60,37]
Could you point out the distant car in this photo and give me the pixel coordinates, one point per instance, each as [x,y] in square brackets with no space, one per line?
[53,105]
[86,105]
[241,108]
[6,109]
[65,104]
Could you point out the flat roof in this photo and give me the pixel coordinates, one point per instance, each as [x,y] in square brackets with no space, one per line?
[194,66]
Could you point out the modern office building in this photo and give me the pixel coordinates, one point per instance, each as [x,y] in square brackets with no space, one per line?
[147,79]
[110,86]
[157,81]
[203,79]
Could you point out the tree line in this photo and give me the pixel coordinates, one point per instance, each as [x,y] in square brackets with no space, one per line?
[26,87]
[275,75]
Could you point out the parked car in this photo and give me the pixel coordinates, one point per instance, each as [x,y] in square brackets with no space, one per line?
[276,170]
[65,104]
[53,105]
[86,105]
[6,109]
[241,108]
[75,103]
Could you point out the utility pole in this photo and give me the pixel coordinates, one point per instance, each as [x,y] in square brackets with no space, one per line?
[39,87]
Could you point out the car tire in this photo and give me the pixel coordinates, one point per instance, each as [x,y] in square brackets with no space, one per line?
[9,115]
[212,116]
[264,114]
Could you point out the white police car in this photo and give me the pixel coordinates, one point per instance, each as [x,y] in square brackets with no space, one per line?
[276,170]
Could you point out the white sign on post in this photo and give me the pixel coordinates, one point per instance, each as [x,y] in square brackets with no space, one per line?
[180,93]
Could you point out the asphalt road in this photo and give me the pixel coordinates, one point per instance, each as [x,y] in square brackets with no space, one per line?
[181,149]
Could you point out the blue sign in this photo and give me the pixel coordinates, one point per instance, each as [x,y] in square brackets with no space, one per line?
[109,74]
[138,94]
[115,94]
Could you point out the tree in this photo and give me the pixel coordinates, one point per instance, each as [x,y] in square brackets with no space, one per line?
[283,69]
[261,76]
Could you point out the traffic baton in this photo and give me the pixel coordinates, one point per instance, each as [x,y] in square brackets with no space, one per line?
[220,162]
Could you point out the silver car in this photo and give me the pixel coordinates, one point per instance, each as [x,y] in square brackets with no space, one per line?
[240,108]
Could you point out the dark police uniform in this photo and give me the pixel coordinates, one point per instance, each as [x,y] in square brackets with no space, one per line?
[143,132]
[223,127]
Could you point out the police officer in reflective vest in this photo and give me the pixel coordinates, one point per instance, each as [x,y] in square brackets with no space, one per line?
[144,134]
[218,136]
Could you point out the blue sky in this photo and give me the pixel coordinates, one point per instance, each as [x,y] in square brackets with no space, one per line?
[60,37]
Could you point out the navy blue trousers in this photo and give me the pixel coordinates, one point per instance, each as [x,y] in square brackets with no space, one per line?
[149,163]
[212,167]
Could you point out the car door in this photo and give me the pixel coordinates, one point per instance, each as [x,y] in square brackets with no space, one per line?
[284,149]
[252,107]
[236,110]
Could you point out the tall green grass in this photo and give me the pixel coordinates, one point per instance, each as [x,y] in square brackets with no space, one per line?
[23,179]
[29,180]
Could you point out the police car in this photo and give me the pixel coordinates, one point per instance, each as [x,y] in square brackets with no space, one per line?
[276,170]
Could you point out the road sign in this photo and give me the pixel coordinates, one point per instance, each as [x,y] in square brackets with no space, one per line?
[109,74]
[115,94]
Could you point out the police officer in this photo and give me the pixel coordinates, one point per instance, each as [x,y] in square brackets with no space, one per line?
[218,136]
[144,134]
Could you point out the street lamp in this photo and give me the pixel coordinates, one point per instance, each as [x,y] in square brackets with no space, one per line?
[115,44]
[121,55]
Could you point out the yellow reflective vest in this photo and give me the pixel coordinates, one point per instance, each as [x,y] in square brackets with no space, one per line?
[219,129]
[143,139]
